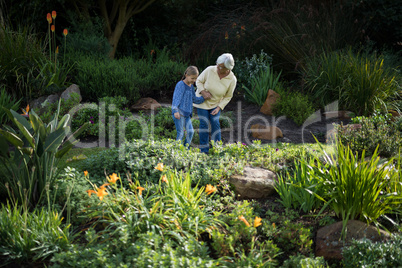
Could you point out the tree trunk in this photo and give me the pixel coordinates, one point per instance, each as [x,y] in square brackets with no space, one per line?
[115,37]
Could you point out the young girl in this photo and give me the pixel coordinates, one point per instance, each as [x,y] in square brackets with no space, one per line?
[182,105]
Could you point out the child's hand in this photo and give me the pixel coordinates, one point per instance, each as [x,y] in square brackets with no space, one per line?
[177,115]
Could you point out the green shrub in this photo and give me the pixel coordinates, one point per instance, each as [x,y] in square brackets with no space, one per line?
[375,131]
[248,69]
[21,49]
[261,84]
[365,253]
[301,261]
[127,77]
[9,103]
[29,236]
[362,84]
[295,106]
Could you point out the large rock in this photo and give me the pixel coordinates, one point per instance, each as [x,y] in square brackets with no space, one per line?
[66,95]
[146,104]
[254,183]
[262,132]
[329,243]
[272,98]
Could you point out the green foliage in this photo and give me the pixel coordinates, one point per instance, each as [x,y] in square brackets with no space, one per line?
[356,188]
[374,131]
[361,83]
[127,77]
[301,261]
[293,237]
[149,250]
[294,188]
[21,49]
[365,253]
[31,168]
[295,106]
[29,236]
[7,102]
[248,69]
[258,91]
[47,110]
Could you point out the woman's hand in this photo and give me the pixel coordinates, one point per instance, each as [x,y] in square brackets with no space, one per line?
[177,115]
[216,110]
[207,95]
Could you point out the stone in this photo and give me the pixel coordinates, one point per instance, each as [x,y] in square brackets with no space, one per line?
[272,98]
[36,104]
[262,132]
[338,114]
[254,183]
[145,104]
[328,240]
[66,95]
[52,99]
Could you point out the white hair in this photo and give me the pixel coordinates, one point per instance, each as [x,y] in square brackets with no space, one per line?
[227,60]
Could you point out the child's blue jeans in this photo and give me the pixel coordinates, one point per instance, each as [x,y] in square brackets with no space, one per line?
[184,123]
[207,119]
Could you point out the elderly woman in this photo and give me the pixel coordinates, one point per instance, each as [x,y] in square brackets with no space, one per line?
[217,83]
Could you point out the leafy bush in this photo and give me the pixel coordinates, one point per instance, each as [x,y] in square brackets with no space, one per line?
[301,261]
[372,132]
[295,106]
[361,83]
[260,85]
[365,253]
[356,188]
[248,69]
[127,77]
[29,236]
[31,168]
[7,102]
[21,50]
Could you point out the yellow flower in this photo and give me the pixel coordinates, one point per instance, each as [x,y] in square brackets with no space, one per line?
[226,35]
[140,189]
[85,173]
[273,225]
[244,220]
[113,178]
[257,222]
[209,189]
[164,179]
[159,167]
[100,192]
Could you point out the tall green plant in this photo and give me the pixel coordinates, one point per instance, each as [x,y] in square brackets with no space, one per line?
[356,188]
[260,85]
[361,83]
[9,103]
[30,169]
[30,236]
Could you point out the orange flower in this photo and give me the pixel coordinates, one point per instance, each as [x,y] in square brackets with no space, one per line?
[52,28]
[85,173]
[159,167]
[140,189]
[243,27]
[164,179]
[257,222]
[152,51]
[209,189]
[244,220]
[54,14]
[113,178]
[101,191]
[49,18]
[57,50]
[226,35]
[25,111]
[65,32]
[273,225]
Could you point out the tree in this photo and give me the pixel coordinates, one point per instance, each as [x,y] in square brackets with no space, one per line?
[116,15]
